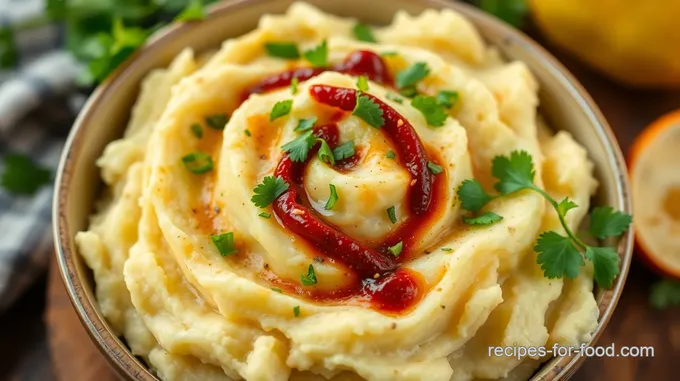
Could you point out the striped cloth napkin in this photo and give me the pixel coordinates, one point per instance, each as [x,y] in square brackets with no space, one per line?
[37,107]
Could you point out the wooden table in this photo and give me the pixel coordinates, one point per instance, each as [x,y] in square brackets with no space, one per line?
[25,353]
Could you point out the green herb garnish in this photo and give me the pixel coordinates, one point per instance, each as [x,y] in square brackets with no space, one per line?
[396,249]
[217,121]
[434,113]
[265,215]
[362,83]
[434,168]
[268,190]
[324,153]
[298,149]
[394,97]
[197,130]
[412,75]
[286,50]
[310,278]
[344,151]
[369,111]
[198,162]
[281,108]
[195,10]
[447,98]
[296,311]
[392,214]
[390,154]
[305,124]
[294,85]
[247,132]
[363,32]
[224,243]
[558,255]
[318,56]
[484,219]
[332,199]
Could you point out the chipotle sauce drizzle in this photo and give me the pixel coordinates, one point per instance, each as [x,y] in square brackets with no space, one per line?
[378,278]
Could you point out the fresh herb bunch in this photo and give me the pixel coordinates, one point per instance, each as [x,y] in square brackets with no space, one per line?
[558,255]
[103,33]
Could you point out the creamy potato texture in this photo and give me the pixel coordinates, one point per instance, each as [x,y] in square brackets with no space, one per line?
[194,314]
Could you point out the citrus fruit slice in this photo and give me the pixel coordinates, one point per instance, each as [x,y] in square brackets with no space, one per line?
[654,161]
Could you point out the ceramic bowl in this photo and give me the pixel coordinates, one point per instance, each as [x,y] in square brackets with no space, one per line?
[564,103]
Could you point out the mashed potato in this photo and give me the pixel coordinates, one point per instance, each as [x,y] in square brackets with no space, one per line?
[194,314]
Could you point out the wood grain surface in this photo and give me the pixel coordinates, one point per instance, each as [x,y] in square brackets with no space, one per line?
[75,358]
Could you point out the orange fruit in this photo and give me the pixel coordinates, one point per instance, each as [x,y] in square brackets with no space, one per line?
[654,168]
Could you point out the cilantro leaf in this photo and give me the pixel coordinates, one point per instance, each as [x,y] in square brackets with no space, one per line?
[198,163]
[294,85]
[605,263]
[434,168]
[362,83]
[565,205]
[224,243]
[22,176]
[310,278]
[197,130]
[217,121]
[344,151]
[247,132]
[265,215]
[268,190]
[325,154]
[392,214]
[394,97]
[8,50]
[447,98]
[396,249]
[432,111]
[332,199]
[286,50]
[390,154]
[409,91]
[318,56]
[296,311]
[606,222]
[412,75]
[369,111]
[484,219]
[193,11]
[558,256]
[665,293]
[472,196]
[514,173]
[305,124]
[298,149]
[363,32]
[281,108]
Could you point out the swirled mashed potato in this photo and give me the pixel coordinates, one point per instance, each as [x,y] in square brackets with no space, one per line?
[193,314]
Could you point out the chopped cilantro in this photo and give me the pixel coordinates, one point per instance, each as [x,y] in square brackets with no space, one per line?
[281,108]
[363,32]
[484,219]
[344,151]
[197,130]
[298,149]
[287,50]
[294,85]
[434,168]
[265,215]
[412,75]
[332,199]
[217,121]
[296,311]
[447,98]
[390,154]
[432,111]
[305,124]
[318,56]
[198,162]
[247,132]
[369,111]
[325,154]
[396,249]
[394,97]
[310,278]
[268,190]
[392,214]
[224,243]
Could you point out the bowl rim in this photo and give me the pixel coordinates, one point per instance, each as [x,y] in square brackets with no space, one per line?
[129,367]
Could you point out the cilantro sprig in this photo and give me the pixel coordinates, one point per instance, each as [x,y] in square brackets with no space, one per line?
[310,278]
[268,190]
[317,56]
[369,111]
[558,255]
[363,32]
[432,110]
